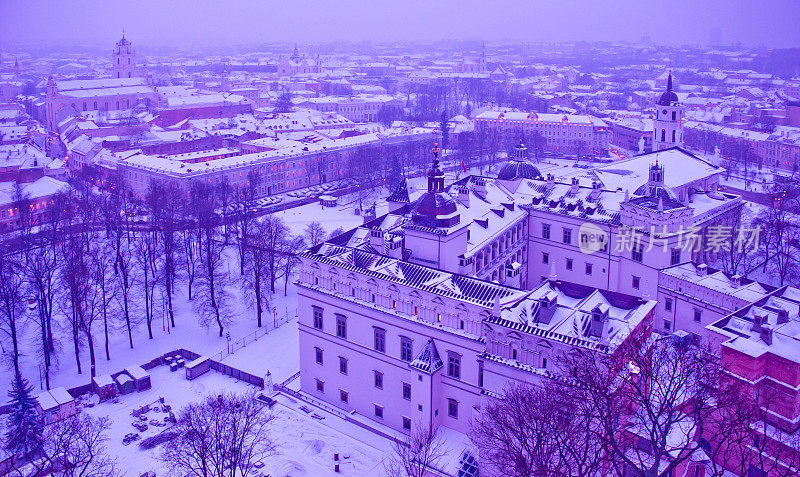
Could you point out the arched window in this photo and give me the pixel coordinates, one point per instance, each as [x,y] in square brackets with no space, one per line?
[673,115]
[673,136]
[663,134]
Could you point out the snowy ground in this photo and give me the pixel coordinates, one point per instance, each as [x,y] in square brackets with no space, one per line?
[187,334]
[305,445]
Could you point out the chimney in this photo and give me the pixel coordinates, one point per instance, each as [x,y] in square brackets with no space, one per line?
[480,186]
[595,194]
[551,182]
[758,321]
[376,239]
[463,195]
[599,318]
[736,280]
[783,316]
[702,270]
[575,186]
[766,335]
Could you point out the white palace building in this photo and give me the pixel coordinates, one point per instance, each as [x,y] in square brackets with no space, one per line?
[419,315]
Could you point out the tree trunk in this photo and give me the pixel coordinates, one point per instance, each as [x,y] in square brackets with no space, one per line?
[92,359]
[257,284]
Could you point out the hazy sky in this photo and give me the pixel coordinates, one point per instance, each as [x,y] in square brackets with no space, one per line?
[772,23]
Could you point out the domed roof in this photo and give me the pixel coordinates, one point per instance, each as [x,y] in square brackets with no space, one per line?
[668,97]
[659,191]
[435,208]
[516,169]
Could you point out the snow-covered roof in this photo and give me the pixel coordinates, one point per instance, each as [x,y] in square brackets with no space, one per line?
[563,312]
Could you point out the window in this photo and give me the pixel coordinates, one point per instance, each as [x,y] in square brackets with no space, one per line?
[379,411]
[480,373]
[588,268]
[637,253]
[546,231]
[380,340]
[667,325]
[343,396]
[378,379]
[452,408]
[635,282]
[697,315]
[317,317]
[318,355]
[341,326]
[545,257]
[407,391]
[668,304]
[569,264]
[454,365]
[675,256]
[567,235]
[342,365]
[320,386]
[406,349]
[406,423]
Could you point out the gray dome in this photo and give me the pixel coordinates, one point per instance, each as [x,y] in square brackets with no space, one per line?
[661,191]
[668,98]
[516,169]
[435,209]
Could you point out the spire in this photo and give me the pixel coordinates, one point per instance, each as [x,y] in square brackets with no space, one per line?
[553,274]
[123,33]
[669,81]
[435,175]
[661,204]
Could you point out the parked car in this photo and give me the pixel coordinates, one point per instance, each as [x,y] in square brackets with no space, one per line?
[140,426]
[130,437]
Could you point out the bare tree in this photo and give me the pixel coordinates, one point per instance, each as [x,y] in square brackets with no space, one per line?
[292,246]
[12,301]
[314,233]
[422,450]
[76,447]
[245,202]
[75,284]
[103,270]
[213,278]
[146,252]
[528,431]
[255,280]
[649,401]
[223,436]
[164,202]
[275,235]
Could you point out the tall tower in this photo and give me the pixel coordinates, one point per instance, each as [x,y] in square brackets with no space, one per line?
[668,123]
[124,59]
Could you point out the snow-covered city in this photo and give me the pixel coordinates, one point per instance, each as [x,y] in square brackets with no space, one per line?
[404,238]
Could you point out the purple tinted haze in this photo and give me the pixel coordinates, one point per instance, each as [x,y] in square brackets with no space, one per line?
[230,22]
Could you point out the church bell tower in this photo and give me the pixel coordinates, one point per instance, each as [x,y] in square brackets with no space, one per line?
[668,123]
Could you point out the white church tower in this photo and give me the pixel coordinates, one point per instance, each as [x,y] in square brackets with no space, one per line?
[124,59]
[668,123]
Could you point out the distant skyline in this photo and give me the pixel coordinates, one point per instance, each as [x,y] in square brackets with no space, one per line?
[186,23]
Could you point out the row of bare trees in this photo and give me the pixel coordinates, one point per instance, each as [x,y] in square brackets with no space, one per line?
[98,261]
[650,411]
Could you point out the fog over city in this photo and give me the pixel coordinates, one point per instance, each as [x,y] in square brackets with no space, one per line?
[183,23]
[438,238]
